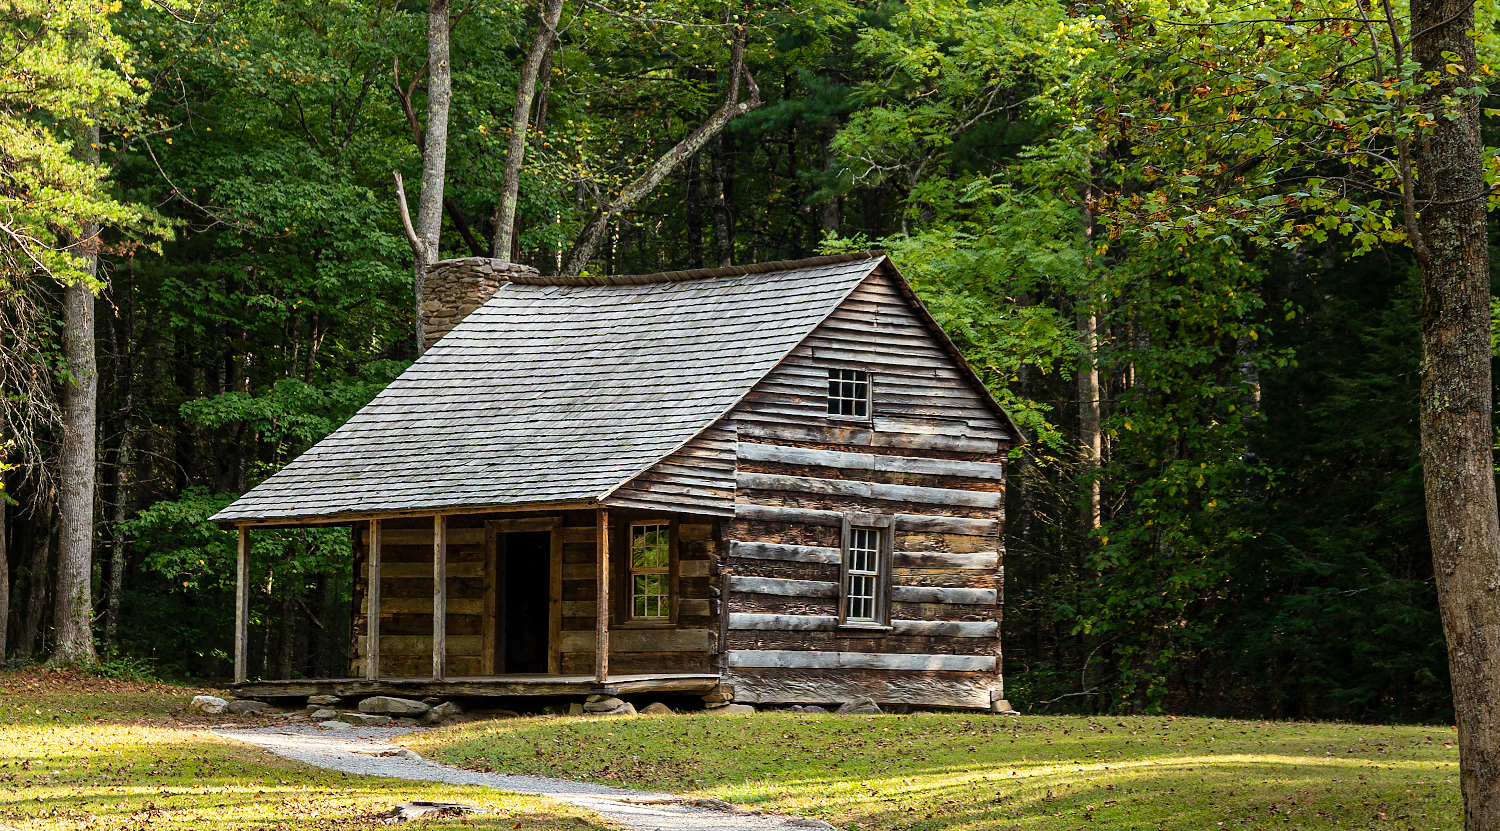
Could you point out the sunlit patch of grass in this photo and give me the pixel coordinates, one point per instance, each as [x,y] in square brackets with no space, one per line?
[100,754]
[953,772]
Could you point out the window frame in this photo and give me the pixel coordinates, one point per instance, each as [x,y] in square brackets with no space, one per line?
[885,525]
[622,583]
[869,395]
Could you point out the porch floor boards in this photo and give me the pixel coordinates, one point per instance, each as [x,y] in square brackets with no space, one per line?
[499,686]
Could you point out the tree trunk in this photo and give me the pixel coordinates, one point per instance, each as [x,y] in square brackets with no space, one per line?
[515,153]
[1457,400]
[593,232]
[723,182]
[424,236]
[4,576]
[74,605]
[124,496]
[1088,410]
[288,651]
[37,579]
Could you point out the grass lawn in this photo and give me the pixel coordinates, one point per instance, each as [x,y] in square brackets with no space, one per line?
[955,772]
[87,753]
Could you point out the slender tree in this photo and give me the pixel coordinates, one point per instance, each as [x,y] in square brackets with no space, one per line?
[515,153]
[424,236]
[74,612]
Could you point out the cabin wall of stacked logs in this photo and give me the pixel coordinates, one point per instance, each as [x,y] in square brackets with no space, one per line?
[922,560]
[406,599]
[931,448]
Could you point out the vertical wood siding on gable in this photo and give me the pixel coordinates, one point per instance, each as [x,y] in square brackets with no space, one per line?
[932,453]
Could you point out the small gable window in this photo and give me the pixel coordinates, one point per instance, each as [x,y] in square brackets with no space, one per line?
[849,393]
[650,570]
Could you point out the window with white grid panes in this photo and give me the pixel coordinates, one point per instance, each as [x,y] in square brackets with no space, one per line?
[650,570]
[862,567]
[849,393]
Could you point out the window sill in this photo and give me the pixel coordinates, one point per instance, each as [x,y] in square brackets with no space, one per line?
[868,629]
[643,624]
[851,419]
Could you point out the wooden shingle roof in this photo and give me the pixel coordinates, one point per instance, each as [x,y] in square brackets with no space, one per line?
[559,390]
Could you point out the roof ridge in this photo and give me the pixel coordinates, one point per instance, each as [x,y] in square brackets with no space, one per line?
[693,274]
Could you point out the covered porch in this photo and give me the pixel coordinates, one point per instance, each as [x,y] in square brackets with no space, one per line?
[497,603]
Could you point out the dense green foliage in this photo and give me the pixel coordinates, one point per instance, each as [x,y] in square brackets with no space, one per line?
[1030,167]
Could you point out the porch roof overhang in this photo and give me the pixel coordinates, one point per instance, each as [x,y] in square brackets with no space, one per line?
[351,517]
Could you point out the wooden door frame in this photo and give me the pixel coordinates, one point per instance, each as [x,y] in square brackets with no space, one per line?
[493,588]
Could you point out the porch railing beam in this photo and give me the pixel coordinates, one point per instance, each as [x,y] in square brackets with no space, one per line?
[439,597]
[601,640]
[242,608]
[372,602]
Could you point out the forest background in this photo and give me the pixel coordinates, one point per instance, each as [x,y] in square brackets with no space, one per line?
[1220,511]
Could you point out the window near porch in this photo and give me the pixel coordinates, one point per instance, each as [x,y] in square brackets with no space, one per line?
[650,570]
[863,575]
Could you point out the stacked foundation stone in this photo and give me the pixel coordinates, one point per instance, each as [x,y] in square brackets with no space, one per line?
[451,289]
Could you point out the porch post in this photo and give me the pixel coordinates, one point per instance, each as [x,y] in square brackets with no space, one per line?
[372,603]
[439,597]
[601,641]
[242,608]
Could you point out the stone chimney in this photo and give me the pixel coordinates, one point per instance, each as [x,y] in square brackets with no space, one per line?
[451,289]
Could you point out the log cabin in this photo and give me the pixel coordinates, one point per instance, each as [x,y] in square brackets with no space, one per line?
[777,483]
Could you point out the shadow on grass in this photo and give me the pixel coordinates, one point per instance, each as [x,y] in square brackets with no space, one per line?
[953,772]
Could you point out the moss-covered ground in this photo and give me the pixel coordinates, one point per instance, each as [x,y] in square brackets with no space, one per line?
[954,772]
[84,753]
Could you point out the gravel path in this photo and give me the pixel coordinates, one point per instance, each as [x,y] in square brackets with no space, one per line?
[368,751]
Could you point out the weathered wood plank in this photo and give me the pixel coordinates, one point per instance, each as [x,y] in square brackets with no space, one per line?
[904,522]
[809,659]
[829,623]
[948,628]
[422,536]
[777,513]
[601,630]
[785,552]
[241,607]
[460,570]
[693,607]
[952,596]
[374,574]
[642,640]
[420,647]
[770,686]
[975,561]
[869,490]
[778,586]
[578,608]
[948,525]
[423,606]
[785,623]
[440,598]
[693,568]
[780,454]
[889,433]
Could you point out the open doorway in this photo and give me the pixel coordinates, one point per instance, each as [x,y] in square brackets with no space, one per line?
[524,565]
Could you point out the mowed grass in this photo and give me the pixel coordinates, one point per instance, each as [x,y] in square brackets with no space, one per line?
[952,772]
[80,753]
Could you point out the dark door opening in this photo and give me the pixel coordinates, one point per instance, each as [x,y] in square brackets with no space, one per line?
[525,582]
